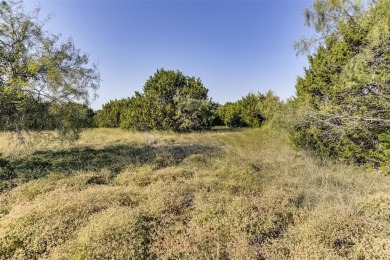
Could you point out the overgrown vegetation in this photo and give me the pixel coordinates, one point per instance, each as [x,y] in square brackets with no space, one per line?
[223,193]
[251,111]
[170,101]
[243,194]
[41,77]
[187,113]
[344,97]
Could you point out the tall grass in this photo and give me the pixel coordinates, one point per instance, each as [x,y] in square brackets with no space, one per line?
[244,194]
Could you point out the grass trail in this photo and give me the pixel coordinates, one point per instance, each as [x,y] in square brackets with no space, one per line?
[244,194]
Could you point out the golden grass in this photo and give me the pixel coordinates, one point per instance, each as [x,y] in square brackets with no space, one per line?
[244,194]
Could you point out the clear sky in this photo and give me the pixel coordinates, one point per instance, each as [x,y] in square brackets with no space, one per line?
[235,47]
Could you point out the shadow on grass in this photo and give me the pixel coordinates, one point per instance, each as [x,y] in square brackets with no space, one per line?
[225,129]
[113,158]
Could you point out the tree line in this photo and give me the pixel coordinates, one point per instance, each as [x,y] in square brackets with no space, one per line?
[173,101]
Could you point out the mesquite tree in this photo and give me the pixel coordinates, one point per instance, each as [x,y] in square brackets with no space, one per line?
[38,70]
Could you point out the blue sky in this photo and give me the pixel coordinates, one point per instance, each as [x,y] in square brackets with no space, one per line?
[235,47]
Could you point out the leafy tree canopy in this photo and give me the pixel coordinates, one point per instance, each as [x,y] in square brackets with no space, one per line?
[160,91]
[250,111]
[36,68]
[110,114]
[170,101]
[344,96]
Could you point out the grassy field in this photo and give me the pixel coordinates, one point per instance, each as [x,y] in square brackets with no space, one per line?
[223,194]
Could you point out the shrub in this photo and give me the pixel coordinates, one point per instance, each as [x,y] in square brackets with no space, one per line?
[170,101]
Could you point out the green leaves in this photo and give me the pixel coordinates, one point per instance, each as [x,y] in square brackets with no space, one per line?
[37,70]
[193,114]
[251,110]
[171,101]
[110,114]
[344,95]
[159,94]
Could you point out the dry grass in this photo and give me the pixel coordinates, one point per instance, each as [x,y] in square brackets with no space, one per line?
[243,194]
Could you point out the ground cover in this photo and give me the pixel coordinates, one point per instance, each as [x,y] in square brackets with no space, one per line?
[221,194]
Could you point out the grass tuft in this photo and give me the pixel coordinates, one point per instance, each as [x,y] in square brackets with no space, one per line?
[242,194]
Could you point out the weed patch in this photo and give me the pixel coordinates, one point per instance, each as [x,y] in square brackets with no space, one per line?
[222,194]
[113,158]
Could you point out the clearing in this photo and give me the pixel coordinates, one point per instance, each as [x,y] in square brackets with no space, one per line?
[222,194]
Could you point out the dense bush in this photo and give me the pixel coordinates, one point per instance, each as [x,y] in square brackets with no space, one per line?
[193,114]
[170,101]
[343,97]
[109,115]
[251,110]
[67,118]
[230,114]
[35,115]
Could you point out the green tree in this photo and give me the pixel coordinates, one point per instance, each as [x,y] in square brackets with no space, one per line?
[273,111]
[69,118]
[250,110]
[168,103]
[193,114]
[110,114]
[136,115]
[344,95]
[160,90]
[36,69]
[230,114]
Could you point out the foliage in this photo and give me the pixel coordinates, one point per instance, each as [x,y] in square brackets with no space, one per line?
[193,114]
[272,109]
[170,101]
[110,114]
[69,118]
[230,113]
[37,70]
[251,111]
[343,98]
[137,114]
[217,120]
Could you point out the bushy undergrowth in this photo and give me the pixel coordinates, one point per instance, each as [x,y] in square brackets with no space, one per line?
[342,106]
[243,194]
